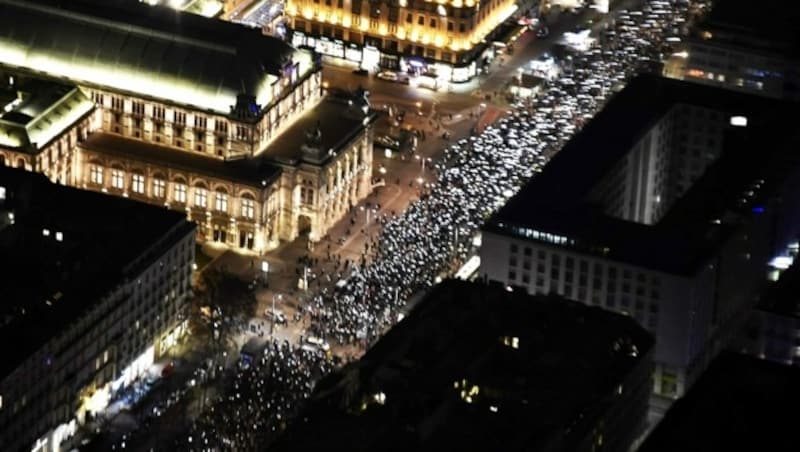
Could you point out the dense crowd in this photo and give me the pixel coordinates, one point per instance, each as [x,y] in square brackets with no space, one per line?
[416,247]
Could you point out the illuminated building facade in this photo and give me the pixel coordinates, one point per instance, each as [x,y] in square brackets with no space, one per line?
[188,116]
[672,222]
[94,290]
[40,125]
[747,49]
[446,38]
[249,204]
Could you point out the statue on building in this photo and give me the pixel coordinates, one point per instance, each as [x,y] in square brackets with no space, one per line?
[312,148]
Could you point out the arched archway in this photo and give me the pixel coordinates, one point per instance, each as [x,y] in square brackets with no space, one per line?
[303,225]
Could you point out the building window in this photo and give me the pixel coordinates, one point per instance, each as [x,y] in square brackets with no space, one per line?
[180,193]
[137,108]
[117,179]
[242,133]
[117,103]
[137,183]
[2,192]
[158,113]
[248,208]
[221,202]
[96,174]
[200,122]
[221,126]
[200,197]
[159,188]
[180,118]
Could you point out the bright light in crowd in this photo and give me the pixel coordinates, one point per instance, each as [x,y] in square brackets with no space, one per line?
[781,262]
[739,121]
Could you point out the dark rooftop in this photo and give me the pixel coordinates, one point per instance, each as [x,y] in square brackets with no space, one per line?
[338,122]
[48,284]
[472,365]
[771,27]
[739,403]
[557,201]
[153,51]
[783,297]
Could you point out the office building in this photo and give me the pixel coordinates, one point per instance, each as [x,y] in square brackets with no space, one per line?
[95,289]
[772,331]
[668,206]
[740,403]
[746,48]
[446,40]
[475,367]
[203,116]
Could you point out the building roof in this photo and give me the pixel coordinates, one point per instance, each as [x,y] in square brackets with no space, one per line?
[255,172]
[472,365]
[739,403]
[36,111]
[783,297]
[770,29]
[48,284]
[556,201]
[152,52]
[339,124]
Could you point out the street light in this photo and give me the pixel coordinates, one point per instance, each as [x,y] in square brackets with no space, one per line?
[272,324]
[265,270]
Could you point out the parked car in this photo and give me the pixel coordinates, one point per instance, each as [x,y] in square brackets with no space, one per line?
[360,71]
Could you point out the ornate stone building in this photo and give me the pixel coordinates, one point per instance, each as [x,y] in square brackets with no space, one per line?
[192,113]
[444,37]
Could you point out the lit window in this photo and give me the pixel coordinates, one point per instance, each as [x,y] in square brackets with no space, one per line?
[159,188]
[96,174]
[46,232]
[117,179]
[2,192]
[221,202]
[248,208]
[739,121]
[200,197]
[137,183]
[180,193]
[59,237]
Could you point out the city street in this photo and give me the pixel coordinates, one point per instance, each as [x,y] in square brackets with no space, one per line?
[302,281]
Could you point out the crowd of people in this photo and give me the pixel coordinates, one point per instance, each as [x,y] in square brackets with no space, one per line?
[427,241]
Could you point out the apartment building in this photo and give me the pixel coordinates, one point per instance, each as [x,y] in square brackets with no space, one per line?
[95,289]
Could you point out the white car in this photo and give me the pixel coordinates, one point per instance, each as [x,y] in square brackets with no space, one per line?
[388,75]
[317,342]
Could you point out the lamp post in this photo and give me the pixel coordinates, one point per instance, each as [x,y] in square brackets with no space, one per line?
[265,270]
[272,324]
